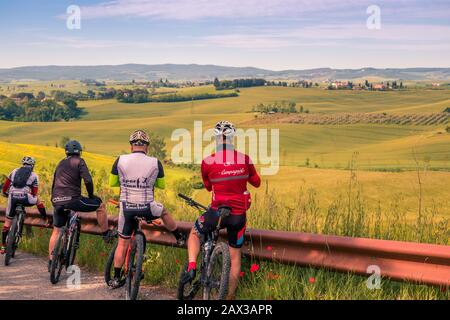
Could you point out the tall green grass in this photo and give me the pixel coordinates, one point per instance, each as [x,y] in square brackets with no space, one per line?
[347,215]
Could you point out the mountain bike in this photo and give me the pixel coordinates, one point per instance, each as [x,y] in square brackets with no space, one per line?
[15,234]
[66,246]
[214,272]
[132,274]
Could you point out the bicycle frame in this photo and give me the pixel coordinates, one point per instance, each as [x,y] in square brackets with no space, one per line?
[130,245]
[207,247]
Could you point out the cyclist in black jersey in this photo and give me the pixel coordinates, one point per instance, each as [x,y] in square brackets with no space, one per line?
[66,194]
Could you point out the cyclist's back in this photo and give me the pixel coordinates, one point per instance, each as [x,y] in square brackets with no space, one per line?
[67,180]
[226,174]
[138,174]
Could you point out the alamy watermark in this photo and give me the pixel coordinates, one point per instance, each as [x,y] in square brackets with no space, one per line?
[73,21]
[190,148]
[374,280]
[373,22]
[74,279]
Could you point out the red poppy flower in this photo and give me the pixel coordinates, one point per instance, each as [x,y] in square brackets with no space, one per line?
[312,280]
[177,261]
[241,274]
[269,248]
[254,268]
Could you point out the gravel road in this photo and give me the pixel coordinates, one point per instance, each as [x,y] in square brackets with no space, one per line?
[26,278]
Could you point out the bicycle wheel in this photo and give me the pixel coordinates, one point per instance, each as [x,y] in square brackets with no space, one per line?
[58,255]
[187,291]
[218,273]
[109,267]
[72,247]
[11,241]
[135,262]
[19,233]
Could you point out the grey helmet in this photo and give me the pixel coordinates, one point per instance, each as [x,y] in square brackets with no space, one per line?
[73,147]
[28,161]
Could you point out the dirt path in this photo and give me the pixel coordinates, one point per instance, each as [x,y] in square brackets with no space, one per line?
[27,278]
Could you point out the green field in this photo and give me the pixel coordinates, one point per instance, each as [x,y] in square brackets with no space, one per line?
[354,180]
[107,124]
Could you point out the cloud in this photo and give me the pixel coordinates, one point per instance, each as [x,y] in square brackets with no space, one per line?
[198,9]
[83,43]
[391,36]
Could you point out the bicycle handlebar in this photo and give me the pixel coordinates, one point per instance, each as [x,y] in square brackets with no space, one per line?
[192,202]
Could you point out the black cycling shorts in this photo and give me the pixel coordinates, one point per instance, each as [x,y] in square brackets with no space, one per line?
[235,225]
[14,202]
[61,212]
[127,217]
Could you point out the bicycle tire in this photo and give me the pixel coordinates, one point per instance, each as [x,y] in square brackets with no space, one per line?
[11,242]
[187,291]
[221,250]
[19,234]
[57,258]
[71,248]
[135,267]
[109,266]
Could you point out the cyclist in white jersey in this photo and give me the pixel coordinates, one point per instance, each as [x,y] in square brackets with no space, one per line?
[138,174]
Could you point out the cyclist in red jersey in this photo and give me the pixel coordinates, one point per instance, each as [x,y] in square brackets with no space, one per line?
[226,174]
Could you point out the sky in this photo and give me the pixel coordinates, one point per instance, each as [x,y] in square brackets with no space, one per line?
[270,34]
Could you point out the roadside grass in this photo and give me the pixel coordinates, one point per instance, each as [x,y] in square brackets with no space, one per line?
[347,215]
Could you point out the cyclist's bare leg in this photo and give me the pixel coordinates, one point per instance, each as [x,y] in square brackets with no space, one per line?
[193,246]
[8,222]
[102,217]
[169,222]
[5,231]
[53,239]
[235,271]
[121,252]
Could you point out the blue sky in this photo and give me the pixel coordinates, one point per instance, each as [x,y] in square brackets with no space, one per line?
[275,34]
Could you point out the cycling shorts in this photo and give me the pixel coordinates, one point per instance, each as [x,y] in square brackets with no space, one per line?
[235,225]
[61,212]
[129,212]
[15,199]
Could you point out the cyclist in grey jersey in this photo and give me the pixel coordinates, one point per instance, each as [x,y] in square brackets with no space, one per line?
[138,174]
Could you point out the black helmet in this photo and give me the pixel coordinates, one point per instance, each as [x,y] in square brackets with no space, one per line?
[73,147]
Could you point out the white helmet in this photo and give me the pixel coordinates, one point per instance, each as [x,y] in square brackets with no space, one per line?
[29,161]
[224,128]
[139,137]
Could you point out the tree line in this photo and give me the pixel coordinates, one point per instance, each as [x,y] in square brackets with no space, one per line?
[32,109]
[143,96]
[279,107]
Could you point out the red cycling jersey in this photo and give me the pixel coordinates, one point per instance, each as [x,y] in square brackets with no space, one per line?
[226,174]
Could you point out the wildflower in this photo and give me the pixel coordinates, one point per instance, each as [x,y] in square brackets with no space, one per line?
[102,253]
[312,280]
[269,248]
[254,268]
[241,274]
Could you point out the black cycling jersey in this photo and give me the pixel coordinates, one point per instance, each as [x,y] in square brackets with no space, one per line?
[67,180]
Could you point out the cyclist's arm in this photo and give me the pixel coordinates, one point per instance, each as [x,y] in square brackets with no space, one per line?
[253,177]
[87,178]
[205,177]
[160,180]
[6,186]
[35,187]
[114,175]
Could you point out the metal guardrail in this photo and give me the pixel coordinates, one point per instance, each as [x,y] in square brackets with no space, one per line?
[398,260]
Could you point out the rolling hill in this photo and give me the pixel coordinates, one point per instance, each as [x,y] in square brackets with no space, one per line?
[208,72]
